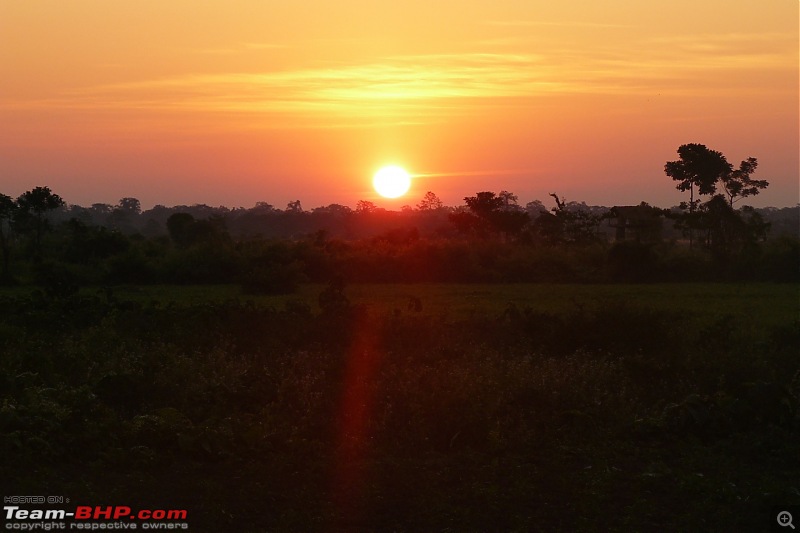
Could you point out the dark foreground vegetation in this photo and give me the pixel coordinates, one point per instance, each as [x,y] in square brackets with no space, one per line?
[326,414]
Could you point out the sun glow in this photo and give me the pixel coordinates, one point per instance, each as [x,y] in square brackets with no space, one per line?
[391,181]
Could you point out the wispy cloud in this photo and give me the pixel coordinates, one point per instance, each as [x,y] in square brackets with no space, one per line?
[730,44]
[535,23]
[414,89]
[401,86]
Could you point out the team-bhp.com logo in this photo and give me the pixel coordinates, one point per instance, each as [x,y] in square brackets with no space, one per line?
[93,518]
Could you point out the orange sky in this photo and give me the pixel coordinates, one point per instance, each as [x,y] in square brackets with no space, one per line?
[230,103]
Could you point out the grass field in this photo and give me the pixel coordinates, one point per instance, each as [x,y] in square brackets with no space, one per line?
[764,303]
[477,408]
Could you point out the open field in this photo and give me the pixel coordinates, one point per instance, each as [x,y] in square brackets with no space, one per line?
[475,408]
[764,303]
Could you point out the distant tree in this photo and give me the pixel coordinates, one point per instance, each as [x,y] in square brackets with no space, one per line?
[123,216]
[564,225]
[99,212]
[81,213]
[484,203]
[510,201]
[130,205]
[535,208]
[332,209]
[33,207]
[365,206]
[179,227]
[101,208]
[430,202]
[7,209]
[491,213]
[89,243]
[738,184]
[185,230]
[294,207]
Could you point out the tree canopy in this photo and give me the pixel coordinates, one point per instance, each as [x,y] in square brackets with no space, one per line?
[738,184]
[698,167]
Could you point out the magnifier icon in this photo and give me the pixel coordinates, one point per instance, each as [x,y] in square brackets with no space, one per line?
[785,519]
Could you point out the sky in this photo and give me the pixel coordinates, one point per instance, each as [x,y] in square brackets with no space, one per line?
[232,103]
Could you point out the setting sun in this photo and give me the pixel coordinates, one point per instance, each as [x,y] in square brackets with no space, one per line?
[391,181]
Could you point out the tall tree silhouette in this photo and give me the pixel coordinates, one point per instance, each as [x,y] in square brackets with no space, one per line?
[698,168]
[31,214]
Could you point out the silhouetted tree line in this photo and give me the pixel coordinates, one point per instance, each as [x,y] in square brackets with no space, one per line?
[490,238]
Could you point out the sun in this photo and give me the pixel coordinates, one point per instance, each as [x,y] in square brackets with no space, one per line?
[391,181]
